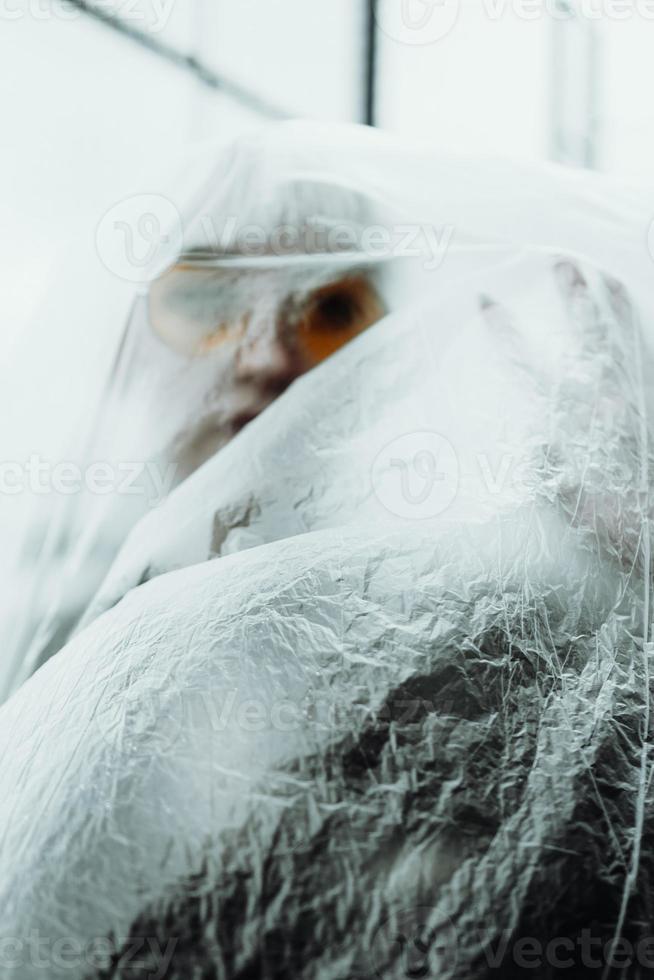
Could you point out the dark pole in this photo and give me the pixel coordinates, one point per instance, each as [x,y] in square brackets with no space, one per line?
[188,62]
[371,51]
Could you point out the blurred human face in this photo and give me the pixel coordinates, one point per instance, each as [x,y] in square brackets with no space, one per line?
[245,337]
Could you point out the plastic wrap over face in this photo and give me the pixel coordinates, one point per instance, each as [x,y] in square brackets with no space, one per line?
[339,449]
[223,329]
[283,236]
[407,732]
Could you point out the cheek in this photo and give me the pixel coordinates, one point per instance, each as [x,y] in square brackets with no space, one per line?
[198,393]
[334,316]
[194,311]
[225,333]
[198,450]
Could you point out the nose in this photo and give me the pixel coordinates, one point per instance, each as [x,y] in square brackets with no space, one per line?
[268,362]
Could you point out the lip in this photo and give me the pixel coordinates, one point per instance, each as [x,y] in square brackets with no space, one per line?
[262,400]
[239,421]
[248,413]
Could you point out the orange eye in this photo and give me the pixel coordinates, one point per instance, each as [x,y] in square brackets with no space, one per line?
[335,315]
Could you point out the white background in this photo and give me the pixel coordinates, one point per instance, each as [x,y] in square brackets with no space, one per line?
[89,117]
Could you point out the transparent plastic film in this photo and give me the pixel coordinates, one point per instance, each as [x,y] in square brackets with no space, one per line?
[368,692]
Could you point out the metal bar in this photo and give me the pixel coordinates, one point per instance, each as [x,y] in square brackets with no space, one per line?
[371,59]
[574,84]
[595,119]
[188,62]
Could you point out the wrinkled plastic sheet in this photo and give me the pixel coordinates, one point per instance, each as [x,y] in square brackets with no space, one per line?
[445,217]
[369,694]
